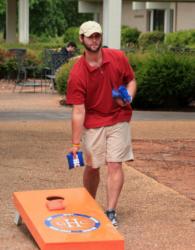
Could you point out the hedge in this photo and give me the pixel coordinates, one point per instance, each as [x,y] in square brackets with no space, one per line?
[62,76]
[8,65]
[129,36]
[180,39]
[71,34]
[164,80]
[147,39]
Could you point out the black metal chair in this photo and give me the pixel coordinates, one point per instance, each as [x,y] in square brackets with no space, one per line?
[22,70]
[57,60]
[19,55]
[46,69]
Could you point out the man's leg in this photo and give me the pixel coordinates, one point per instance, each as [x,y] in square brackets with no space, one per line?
[91,179]
[118,151]
[115,180]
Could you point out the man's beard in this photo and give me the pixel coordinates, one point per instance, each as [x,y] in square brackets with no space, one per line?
[92,50]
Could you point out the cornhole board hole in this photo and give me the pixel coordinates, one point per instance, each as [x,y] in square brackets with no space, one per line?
[66,219]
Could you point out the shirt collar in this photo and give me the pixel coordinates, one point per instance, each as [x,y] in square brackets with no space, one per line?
[105,60]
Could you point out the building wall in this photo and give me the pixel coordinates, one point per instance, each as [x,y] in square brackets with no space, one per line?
[185,16]
[134,18]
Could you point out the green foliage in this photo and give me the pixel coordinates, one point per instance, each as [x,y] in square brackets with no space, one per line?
[62,76]
[53,17]
[136,59]
[129,36]
[180,39]
[150,38]
[10,68]
[165,81]
[71,15]
[2,15]
[2,7]
[46,16]
[71,34]
[37,44]
[8,63]
[49,17]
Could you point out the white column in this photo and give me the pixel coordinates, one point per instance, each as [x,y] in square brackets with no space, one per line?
[11,21]
[24,21]
[167,19]
[151,20]
[112,23]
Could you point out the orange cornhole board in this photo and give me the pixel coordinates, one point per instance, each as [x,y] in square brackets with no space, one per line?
[75,222]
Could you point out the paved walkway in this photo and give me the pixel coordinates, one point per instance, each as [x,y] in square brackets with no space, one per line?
[28,106]
[65,113]
[152,216]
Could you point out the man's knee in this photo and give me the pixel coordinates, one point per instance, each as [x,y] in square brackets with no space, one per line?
[114,166]
[91,170]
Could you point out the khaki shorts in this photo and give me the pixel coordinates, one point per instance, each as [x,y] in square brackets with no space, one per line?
[107,144]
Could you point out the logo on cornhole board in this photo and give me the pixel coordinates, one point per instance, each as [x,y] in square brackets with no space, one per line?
[72,223]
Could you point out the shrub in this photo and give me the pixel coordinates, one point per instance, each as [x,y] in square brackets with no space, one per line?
[71,34]
[180,39]
[165,81]
[62,76]
[36,45]
[31,58]
[2,70]
[34,63]
[129,36]
[136,59]
[150,38]
[8,65]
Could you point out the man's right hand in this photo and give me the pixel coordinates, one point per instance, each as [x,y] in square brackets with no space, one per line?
[74,149]
[120,102]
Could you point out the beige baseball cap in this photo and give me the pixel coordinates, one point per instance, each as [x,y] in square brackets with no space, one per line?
[90,27]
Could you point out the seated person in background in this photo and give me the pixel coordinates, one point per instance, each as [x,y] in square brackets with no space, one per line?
[69,50]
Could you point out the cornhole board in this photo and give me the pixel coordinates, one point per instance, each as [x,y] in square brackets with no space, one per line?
[81,225]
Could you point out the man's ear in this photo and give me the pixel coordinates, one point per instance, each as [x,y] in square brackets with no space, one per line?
[81,38]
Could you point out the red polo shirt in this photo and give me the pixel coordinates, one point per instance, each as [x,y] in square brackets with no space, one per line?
[92,86]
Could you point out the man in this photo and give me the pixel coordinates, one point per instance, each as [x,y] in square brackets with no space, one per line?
[69,50]
[102,120]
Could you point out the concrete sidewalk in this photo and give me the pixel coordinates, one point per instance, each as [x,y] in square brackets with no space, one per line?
[151,215]
[158,217]
[36,106]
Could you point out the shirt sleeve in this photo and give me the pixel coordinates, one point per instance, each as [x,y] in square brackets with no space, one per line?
[76,92]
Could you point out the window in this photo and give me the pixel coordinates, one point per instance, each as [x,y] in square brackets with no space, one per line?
[158,19]
[159,16]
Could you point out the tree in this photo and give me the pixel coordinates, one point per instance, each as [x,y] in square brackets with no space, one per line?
[53,17]
[71,14]
[46,17]
[49,17]
[2,15]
